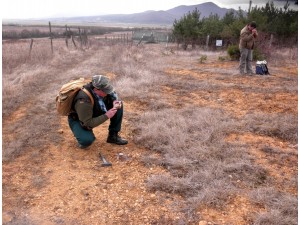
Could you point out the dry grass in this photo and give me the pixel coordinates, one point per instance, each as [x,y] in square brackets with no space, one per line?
[282,208]
[283,126]
[188,140]
[203,167]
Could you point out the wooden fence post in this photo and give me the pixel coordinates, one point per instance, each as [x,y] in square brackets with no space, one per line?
[80,37]
[72,38]
[51,37]
[271,40]
[31,43]
[207,41]
[67,44]
[167,41]
[84,38]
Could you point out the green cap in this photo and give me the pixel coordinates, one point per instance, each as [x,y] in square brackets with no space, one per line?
[101,82]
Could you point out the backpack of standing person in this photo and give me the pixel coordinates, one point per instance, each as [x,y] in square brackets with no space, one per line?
[67,93]
[261,68]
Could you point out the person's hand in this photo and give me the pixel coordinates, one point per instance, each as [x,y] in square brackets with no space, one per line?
[110,113]
[254,32]
[117,104]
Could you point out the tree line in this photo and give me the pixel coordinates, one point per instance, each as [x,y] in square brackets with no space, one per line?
[279,25]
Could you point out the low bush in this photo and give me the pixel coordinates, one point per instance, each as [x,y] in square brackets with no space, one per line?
[234,52]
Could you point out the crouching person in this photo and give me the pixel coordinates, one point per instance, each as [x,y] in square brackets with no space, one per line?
[85,115]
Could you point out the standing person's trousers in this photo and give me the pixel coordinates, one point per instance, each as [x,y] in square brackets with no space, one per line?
[86,137]
[246,60]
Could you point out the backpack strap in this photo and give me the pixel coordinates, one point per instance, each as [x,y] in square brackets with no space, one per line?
[88,94]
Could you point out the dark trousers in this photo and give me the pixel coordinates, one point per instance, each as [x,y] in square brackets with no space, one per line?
[86,137]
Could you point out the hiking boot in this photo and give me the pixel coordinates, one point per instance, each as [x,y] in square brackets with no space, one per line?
[116,139]
[81,146]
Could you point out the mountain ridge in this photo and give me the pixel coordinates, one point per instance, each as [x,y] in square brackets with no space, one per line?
[158,17]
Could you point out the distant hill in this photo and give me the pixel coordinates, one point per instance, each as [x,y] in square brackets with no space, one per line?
[205,9]
[151,17]
[147,17]
[164,17]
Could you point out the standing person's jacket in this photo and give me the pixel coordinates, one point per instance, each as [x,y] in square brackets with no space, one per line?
[247,39]
[89,115]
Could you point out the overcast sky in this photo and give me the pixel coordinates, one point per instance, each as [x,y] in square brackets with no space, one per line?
[23,9]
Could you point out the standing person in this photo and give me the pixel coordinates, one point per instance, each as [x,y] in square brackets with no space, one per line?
[247,41]
[85,116]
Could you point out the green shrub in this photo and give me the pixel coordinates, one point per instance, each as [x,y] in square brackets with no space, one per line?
[222,58]
[234,52]
[203,58]
[258,55]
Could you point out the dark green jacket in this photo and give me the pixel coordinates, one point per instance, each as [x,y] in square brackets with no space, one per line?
[89,115]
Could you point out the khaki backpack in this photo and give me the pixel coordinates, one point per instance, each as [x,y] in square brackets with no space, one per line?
[68,91]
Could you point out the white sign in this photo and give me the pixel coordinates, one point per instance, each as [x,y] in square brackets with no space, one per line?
[219,43]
